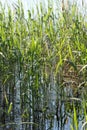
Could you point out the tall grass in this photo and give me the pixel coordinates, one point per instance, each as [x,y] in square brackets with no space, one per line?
[39,57]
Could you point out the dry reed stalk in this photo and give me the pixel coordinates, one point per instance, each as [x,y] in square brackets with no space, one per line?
[63,7]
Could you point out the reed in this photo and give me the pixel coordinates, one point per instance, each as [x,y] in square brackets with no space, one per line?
[43,62]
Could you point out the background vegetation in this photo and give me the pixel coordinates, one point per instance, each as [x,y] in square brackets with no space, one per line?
[43,68]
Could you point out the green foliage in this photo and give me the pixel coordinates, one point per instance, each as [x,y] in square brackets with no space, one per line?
[10,108]
[40,46]
[75,119]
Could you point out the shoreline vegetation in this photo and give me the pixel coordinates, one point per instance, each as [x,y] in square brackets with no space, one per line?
[43,68]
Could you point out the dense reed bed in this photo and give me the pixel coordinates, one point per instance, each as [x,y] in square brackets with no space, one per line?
[43,68]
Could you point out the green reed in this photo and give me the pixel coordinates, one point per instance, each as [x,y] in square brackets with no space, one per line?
[34,53]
